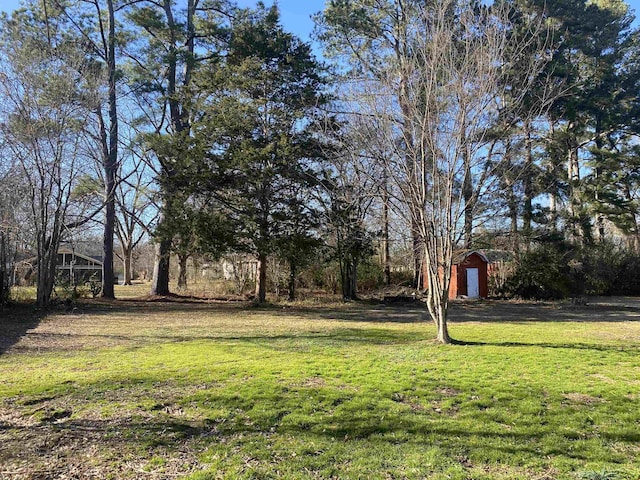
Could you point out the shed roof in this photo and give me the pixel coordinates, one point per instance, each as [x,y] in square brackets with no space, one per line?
[461,256]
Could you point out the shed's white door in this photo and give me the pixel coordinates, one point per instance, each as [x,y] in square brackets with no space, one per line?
[473,283]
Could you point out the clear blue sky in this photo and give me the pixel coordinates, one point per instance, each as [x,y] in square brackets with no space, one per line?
[295,13]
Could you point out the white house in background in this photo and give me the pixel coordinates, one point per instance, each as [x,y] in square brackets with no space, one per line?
[236,267]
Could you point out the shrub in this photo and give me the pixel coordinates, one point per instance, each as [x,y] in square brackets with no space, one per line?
[542,274]
[499,274]
[601,265]
[557,270]
[95,287]
[627,280]
[403,278]
[323,275]
[370,275]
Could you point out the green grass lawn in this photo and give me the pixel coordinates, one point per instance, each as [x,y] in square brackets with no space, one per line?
[204,391]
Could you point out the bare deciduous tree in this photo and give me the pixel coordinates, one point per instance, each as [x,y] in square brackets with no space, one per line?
[350,187]
[94,23]
[454,89]
[135,209]
[43,121]
[12,218]
[373,38]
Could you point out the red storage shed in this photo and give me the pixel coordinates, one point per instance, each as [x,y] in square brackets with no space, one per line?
[469,276]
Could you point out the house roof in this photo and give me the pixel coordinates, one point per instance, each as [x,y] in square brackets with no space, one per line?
[81,255]
[34,260]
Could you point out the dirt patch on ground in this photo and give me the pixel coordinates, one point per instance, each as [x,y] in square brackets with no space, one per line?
[447,391]
[582,399]
[52,443]
[314,382]
[174,298]
[49,452]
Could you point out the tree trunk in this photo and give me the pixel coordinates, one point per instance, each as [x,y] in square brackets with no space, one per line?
[438,278]
[553,212]
[527,214]
[160,283]
[467,191]
[635,235]
[507,185]
[634,243]
[109,226]
[182,271]
[418,280]
[127,254]
[110,164]
[353,284]
[46,270]
[349,279]
[179,122]
[573,175]
[292,281]
[408,138]
[441,323]
[4,281]
[514,237]
[598,172]
[438,305]
[261,279]
[344,279]
[409,160]
[386,261]
[512,205]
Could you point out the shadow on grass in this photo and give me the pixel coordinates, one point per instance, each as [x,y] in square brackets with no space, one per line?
[293,342]
[333,324]
[573,346]
[353,312]
[367,313]
[117,448]
[15,321]
[491,311]
[480,433]
[232,419]
[377,428]
[72,341]
[494,311]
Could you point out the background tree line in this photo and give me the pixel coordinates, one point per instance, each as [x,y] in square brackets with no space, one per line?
[210,129]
